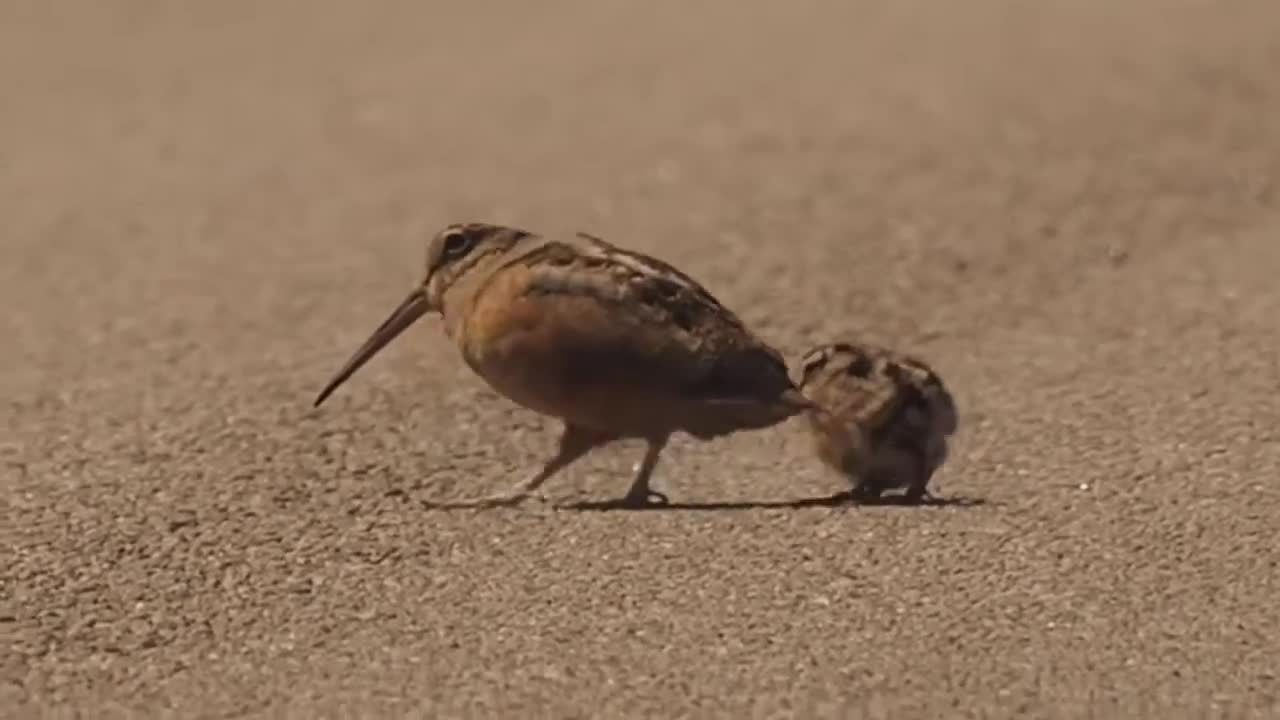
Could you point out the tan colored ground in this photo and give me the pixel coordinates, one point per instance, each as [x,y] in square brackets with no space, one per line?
[1072,212]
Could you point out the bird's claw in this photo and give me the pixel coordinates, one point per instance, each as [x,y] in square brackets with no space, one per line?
[648,498]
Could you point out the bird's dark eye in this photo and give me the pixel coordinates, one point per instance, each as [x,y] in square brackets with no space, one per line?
[456,245]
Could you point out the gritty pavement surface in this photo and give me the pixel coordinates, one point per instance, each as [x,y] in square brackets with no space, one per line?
[1068,207]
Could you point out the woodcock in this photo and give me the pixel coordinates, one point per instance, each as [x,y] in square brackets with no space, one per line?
[613,343]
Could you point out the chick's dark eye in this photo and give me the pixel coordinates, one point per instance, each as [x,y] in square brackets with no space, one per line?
[860,367]
[456,245]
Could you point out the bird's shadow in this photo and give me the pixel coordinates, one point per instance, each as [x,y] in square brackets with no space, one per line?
[839,500]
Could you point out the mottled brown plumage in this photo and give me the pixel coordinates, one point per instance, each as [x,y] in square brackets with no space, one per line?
[888,417]
[614,343]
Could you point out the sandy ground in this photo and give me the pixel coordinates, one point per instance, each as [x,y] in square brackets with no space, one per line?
[1071,211]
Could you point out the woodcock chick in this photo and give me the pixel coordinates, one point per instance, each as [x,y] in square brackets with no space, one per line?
[887,421]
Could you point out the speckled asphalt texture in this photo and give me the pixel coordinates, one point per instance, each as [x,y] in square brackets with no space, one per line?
[1068,207]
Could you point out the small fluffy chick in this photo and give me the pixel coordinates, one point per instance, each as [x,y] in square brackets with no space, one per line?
[887,417]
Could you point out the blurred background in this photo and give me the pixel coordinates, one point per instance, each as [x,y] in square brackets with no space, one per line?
[1069,208]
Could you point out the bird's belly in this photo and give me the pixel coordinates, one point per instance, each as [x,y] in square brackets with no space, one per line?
[543,379]
[541,384]
[570,359]
[529,363]
[524,384]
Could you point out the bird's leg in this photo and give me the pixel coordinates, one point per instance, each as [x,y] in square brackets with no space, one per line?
[924,468]
[640,494]
[918,490]
[575,442]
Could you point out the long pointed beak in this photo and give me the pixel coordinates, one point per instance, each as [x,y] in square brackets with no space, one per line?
[411,308]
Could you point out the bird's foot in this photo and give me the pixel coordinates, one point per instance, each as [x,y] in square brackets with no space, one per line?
[644,498]
[865,493]
[918,496]
[641,500]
